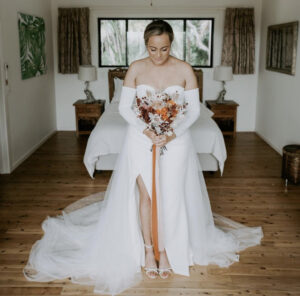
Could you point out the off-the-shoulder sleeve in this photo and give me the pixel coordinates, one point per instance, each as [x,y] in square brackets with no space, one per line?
[192,111]
[125,108]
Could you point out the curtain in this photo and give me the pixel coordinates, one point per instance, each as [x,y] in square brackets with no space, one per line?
[74,46]
[239,40]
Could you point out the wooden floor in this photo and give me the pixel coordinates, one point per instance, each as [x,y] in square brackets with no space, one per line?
[250,191]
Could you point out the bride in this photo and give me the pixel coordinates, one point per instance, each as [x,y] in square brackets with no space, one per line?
[105,238]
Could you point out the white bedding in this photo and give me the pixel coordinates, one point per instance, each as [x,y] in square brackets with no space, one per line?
[108,134]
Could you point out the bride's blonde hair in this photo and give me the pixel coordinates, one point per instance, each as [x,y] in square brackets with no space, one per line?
[158,27]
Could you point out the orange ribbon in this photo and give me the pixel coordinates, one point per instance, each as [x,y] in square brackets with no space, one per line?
[154,207]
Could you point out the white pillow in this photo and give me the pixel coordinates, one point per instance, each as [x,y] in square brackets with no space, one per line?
[204,111]
[118,88]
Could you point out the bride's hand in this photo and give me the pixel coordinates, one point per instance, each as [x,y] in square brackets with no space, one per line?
[163,140]
[160,140]
[150,134]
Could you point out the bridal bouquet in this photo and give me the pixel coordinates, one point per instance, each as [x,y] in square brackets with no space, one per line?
[160,112]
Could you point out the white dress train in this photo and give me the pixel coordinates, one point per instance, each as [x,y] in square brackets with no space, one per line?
[98,240]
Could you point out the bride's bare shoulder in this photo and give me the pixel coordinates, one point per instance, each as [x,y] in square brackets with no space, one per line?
[181,65]
[134,70]
[138,65]
[187,72]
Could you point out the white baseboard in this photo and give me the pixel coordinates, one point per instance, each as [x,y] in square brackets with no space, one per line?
[268,142]
[32,150]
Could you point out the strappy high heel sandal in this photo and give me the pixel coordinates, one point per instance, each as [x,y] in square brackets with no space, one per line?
[162,270]
[148,270]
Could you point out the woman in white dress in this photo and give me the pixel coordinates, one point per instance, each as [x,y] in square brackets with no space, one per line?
[156,72]
[104,239]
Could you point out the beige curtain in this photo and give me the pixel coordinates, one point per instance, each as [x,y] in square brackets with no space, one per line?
[74,46]
[239,40]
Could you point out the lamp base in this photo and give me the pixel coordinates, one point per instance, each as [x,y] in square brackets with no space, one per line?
[89,97]
[88,101]
[221,97]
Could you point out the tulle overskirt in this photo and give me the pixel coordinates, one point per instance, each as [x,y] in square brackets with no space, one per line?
[98,240]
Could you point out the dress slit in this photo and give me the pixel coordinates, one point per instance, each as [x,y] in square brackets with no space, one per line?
[146,177]
[144,185]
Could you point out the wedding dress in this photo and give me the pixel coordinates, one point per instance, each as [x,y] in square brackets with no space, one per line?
[98,240]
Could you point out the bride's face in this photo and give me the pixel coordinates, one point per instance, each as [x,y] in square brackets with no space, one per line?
[159,48]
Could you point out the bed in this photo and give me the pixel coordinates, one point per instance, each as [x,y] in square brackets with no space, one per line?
[105,141]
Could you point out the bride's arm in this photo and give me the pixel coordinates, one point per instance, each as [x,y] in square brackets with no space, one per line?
[191,95]
[128,94]
[192,111]
[126,100]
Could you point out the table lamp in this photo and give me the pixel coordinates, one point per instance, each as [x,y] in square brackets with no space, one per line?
[222,73]
[88,73]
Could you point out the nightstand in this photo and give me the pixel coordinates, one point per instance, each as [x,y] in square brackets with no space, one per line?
[87,115]
[224,115]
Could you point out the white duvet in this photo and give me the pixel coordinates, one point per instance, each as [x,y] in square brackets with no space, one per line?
[109,132]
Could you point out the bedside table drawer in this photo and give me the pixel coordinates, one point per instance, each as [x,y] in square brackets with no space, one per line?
[88,115]
[88,108]
[228,112]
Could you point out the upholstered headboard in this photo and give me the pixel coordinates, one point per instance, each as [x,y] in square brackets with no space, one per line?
[121,72]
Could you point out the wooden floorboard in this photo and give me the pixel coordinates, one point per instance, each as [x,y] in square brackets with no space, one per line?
[250,191]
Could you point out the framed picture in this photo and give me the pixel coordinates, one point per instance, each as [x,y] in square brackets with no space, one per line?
[121,41]
[282,48]
[32,45]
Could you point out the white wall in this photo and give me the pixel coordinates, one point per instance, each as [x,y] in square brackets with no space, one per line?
[4,137]
[30,103]
[243,89]
[278,100]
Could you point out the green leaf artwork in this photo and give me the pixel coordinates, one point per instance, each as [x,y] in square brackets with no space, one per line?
[32,45]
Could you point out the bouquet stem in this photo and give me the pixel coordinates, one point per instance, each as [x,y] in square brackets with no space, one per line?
[161,149]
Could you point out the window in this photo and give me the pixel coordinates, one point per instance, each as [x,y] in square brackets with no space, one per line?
[121,41]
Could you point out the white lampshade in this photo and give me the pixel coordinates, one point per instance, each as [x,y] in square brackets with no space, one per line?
[87,73]
[223,73]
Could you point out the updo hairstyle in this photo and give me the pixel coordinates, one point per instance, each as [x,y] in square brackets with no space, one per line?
[158,27]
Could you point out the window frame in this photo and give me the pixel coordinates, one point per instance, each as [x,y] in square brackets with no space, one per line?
[151,18]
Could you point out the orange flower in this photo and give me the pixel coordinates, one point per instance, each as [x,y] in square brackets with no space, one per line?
[163,112]
[174,112]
